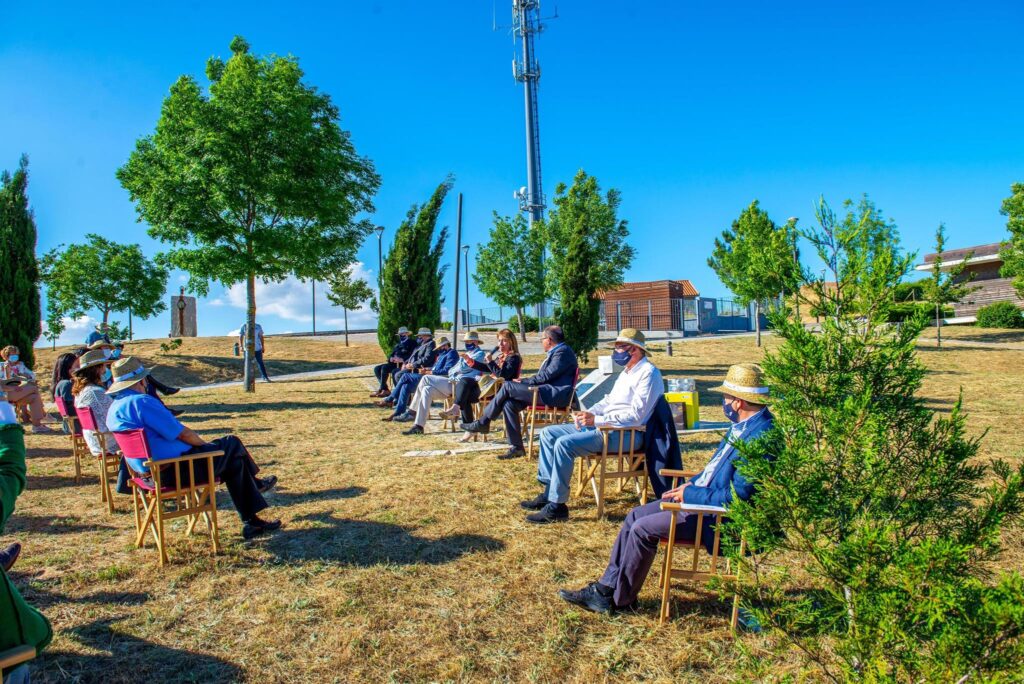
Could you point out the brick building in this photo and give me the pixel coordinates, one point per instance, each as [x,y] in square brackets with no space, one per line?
[984,263]
[653,305]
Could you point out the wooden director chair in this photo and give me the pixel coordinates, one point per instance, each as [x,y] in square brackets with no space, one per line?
[694,570]
[78,446]
[157,501]
[19,655]
[536,415]
[109,460]
[620,466]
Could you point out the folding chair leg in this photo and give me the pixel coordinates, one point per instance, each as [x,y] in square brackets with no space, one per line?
[666,574]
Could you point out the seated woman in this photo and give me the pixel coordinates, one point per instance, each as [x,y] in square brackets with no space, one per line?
[60,385]
[22,391]
[89,390]
[503,363]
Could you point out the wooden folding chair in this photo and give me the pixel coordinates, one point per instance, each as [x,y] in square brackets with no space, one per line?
[19,655]
[536,415]
[715,565]
[108,462]
[625,464]
[153,496]
[78,446]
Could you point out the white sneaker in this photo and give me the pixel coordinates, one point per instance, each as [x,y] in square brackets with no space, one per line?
[41,430]
[466,437]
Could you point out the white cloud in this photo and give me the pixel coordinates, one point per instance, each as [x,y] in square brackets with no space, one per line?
[75,330]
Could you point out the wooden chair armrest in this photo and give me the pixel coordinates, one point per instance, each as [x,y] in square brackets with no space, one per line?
[612,428]
[182,459]
[671,472]
[692,508]
[16,656]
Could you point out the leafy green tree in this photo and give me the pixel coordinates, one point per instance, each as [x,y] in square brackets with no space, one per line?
[946,287]
[347,292]
[1013,251]
[54,327]
[510,267]
[254,179]
[578,207]
[580,310]
[874,527]
[410,285]
[105,276]
[19,273]
[756,260]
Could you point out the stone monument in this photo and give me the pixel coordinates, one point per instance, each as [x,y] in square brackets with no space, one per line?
[183,316]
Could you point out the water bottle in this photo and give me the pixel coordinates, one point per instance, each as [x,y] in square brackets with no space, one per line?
[687,385]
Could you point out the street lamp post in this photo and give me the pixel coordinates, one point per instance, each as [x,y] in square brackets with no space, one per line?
[380,253]
[465,254]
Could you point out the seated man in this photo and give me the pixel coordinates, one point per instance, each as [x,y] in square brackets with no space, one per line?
[433,387]
[745,396]
[133,409]
[422,357]
[407,384]
[400,353]
[554,381]
[630,404]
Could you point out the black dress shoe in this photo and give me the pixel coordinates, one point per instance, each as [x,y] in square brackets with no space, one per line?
[414,430]
[266,484]
[168,391]
[481,427]
[9,555]
[588,597]
[536,503]
[513,452]
[552,512]
[176,412]
[257,526]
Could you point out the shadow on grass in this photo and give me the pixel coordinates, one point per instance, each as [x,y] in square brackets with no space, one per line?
[207,409]
[51,524]
[127,658]
[286,498]
[41,598]
[45,482]
[48,452]
[365,543]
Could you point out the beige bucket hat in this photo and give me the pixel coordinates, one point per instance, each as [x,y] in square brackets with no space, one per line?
[126,372]
[745,381]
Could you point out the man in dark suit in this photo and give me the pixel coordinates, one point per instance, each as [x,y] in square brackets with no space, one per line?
[400,353]
[554,382]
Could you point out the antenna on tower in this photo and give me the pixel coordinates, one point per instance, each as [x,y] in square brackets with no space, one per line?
[526,23]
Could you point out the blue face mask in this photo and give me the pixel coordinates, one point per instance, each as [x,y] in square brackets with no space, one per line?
[116,354]
[107,376]
[471,347]
[732,414]
[13,358]
[621,357]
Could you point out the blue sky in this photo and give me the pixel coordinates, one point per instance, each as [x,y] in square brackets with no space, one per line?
[691,109]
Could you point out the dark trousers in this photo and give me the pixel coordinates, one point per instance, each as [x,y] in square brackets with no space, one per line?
[467,393]
[259,362]
[637,545]
[383,371]
[510,400]
[236,470]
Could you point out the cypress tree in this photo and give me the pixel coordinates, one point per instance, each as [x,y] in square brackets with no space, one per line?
[19,273]
[410,284]
[580,310]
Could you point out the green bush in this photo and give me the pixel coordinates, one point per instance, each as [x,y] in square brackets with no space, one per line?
[1000,315]
[910,292]
[486,329]
[445,325]
[904,311]
[530,322]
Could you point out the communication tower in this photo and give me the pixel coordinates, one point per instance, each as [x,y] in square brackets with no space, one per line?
[526,23]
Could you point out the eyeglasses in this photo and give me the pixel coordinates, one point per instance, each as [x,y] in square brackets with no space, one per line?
[623,348]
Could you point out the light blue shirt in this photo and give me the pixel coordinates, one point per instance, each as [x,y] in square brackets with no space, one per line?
[132,410]
[743,430]
[464,370]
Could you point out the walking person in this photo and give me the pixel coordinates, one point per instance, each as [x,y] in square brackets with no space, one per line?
[260,346]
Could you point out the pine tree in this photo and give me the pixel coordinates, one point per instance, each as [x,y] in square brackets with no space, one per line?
[410,285]
[580,310]
[875,527]
[21,324]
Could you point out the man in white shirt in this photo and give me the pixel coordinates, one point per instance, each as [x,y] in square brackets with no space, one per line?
[259,347]
[630,404]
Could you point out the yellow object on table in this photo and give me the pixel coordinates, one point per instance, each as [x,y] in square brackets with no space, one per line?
[685,408]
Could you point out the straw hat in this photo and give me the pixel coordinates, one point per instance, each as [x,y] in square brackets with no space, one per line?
[100,344]
[89,359]
[745,381]
[471,336]
[126,372]
[425,331]
[443,341]
[403,330]
[630,336]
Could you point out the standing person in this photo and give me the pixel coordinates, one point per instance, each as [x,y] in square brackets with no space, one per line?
[259,346]
[502,364]
[400,353]
[555,383]
[22,391]
[20,623]
[744,397]
[433,387]
[100,332]
[630,404]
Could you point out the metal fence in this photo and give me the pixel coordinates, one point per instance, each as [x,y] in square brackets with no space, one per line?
[649,314]
[494,316]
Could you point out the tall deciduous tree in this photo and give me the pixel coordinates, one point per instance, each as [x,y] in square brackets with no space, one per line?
[105,276]
[582,206]
[580,310]
[410,285]
[892,523]
[756,260]
[20,323]
[510,267]
[254,179]
[1013,251]
[347,292]
[948,285]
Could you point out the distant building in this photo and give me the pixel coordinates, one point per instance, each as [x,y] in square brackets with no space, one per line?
[984,263]
[654,305]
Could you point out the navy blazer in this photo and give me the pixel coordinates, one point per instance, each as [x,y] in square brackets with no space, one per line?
[404,348]
[661,447]
[446,360]
[727,477]
[556,377]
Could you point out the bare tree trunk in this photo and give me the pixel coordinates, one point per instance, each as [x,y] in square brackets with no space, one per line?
[522,327]
[757,321]
[938,326]
[346,325]
[131,333]
[250,334]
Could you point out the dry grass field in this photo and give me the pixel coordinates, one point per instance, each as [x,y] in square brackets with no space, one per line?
[396,568]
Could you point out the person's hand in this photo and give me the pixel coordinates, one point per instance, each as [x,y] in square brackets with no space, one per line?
[583,419]
[424,371]
[675,494]
[487,357]
[408,366]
